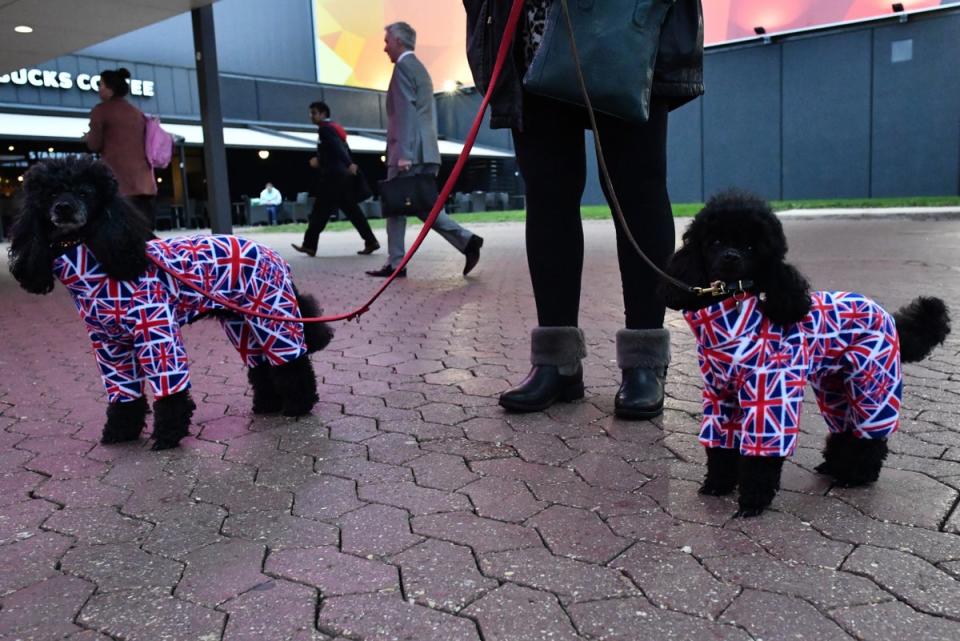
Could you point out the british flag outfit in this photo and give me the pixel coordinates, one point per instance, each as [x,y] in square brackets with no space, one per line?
[135,325]
[754,372]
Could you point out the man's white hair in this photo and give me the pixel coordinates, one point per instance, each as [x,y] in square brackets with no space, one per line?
[403,32]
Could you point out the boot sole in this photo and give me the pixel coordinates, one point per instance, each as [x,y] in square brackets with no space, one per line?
[635,414]
[572,393]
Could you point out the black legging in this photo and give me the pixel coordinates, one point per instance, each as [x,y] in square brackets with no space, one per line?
[329,199]
[550,153]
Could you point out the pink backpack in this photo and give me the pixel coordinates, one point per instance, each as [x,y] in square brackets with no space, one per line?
[157,143]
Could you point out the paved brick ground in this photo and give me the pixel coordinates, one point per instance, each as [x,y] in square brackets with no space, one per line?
[409,506]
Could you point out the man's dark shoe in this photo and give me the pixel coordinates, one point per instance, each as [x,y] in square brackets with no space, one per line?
[385,271]
[369,248]
[641,393]
[472,253]
[304,250]
[543,387]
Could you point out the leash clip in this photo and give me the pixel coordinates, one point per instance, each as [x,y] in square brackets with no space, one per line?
[717,288]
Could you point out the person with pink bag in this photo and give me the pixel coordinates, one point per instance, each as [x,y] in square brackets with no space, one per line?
[117,132]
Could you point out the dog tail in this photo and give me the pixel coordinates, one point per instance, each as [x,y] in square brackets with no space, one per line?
[317,335]
[922,324]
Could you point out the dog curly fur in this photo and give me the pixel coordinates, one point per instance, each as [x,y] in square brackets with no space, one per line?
[76,199]
[736,236]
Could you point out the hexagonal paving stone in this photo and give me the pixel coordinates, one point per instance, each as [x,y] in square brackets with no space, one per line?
[573,580]
[98,525]
[326,498]
[483,535]
[333,572]
[221,571]
[894,620]
[121,567]
[23,519]
[503,499]
[894,498]
[280,530]
[180,531]
[633,619]
[380,617]
[45,610]
[674,579]
[577,534]
[774,616]
[441,575]
[82,493]
[272,610]
[533,616]
[376,530]
[148,615]
[910,578]
[413,498]
[30,560]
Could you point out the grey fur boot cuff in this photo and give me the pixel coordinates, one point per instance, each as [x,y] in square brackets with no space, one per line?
[560,346]
[646,348]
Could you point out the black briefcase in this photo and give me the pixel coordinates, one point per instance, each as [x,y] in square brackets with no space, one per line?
[408,195]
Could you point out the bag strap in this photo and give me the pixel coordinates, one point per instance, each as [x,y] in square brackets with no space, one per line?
[604,171]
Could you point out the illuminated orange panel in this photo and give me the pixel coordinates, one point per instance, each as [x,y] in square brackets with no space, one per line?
[349,33]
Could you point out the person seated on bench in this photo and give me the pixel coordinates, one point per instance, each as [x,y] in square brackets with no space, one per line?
[272,199]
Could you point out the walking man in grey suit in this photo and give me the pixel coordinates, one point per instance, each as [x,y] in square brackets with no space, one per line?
[412,145]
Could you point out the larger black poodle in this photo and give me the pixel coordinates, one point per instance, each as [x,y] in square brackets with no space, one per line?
[762,335]
[73,226]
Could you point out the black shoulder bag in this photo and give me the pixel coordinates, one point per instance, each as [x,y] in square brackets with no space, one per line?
[618,42]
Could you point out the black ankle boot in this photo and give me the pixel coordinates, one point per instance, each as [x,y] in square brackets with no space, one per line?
[641,393]
[643,356]
[543,387]
[552,350]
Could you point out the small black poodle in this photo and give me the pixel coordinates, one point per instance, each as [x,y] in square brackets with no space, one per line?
[762,335]
[73,226]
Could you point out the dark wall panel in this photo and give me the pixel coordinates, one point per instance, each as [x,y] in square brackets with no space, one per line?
[239,97]
[282,102]
[916,127]
[741,121]
[359,107]
[826,124]
[684,157]
[257,38]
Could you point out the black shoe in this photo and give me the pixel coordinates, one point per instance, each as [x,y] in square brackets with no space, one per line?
[304,250]
[472,253]
[369,248]
[385,271]
[641,393]
[543,387]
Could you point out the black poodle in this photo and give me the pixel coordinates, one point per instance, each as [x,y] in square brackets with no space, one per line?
[72,225]
[762,335]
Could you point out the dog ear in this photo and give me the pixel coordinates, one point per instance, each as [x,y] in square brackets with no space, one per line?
[787,293]
[30,256]
[118,237]
[685,265]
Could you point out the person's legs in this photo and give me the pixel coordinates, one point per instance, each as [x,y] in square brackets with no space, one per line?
[396,228]
[550,154]
[357,219]
[272,214]
[323,207]
[636,156]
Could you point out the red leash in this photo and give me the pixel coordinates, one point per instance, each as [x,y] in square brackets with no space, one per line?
[502,53]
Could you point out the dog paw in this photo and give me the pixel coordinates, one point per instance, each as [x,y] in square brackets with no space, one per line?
[710,489]
[824,468]
[164,445]
[748,512]
[110,439]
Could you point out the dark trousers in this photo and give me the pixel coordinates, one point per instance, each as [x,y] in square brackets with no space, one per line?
[551,155]
[326,204]
[146,205]
[272,213]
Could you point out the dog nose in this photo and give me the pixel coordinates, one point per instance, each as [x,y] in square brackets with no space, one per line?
[730,256]
[62,209]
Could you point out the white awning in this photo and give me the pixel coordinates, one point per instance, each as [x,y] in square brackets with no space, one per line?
[72,128]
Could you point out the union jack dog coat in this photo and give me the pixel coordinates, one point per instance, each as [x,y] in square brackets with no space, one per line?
[72,227]
[754,372]
[135,325]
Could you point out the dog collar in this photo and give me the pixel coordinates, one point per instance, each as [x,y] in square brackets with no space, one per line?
[721,288]
[66,244]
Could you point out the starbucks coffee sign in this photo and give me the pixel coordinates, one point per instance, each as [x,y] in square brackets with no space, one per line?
[63,80]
